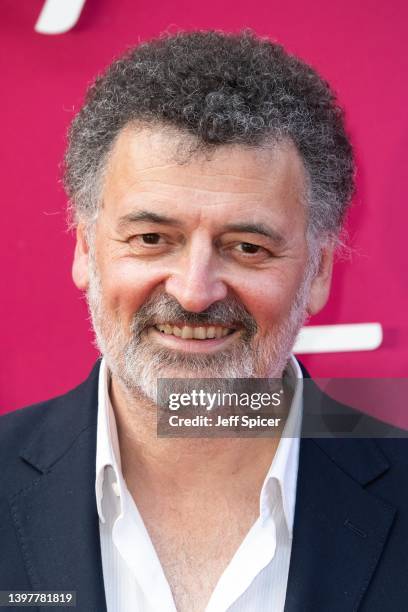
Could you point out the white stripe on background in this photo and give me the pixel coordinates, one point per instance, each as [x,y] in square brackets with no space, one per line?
[58,16]
[339,338]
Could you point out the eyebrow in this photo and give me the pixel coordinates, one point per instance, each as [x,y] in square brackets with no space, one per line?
[146,215]
[248,228]
[256,228]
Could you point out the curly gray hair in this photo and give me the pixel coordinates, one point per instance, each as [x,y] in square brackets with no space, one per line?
[220,89]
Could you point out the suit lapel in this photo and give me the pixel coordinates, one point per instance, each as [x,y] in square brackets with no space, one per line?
[340,529]
[55,514]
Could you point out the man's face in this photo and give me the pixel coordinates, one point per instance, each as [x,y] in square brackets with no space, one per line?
[198,269]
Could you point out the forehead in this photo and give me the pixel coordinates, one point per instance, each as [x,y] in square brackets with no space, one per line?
[150,167]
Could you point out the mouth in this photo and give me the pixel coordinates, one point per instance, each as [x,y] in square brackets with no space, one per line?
[199,332]
[194,338]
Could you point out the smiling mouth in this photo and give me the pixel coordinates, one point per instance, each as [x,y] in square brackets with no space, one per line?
[202,332]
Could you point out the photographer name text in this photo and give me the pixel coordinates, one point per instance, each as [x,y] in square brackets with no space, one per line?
[231,421]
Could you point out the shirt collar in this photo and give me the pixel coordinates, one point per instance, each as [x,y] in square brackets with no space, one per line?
[107,444]
[283,469]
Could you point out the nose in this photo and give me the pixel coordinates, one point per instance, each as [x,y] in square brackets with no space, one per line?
[196,283]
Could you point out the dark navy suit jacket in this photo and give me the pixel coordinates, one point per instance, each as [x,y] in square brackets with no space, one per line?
[350,543]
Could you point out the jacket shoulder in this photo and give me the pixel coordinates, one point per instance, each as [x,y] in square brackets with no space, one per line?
[17,427]
[14,424]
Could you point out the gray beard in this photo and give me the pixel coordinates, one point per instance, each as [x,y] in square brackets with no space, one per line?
[137,362]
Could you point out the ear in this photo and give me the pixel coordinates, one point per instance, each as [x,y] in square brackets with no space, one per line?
[81,257]
[320,286]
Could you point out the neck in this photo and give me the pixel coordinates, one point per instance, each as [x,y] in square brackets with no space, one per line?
[184,465]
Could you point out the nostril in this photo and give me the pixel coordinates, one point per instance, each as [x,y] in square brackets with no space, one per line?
[195,293]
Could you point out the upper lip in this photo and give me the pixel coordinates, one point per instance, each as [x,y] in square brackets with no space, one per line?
[199,332]
[184,324]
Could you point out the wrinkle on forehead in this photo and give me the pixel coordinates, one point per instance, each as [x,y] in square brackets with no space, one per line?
[145,160]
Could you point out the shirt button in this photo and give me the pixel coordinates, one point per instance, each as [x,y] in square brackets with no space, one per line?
[116,489]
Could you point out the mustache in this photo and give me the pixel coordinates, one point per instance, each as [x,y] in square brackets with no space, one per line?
[164,308]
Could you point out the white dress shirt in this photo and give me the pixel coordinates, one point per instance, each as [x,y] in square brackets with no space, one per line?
[256,578]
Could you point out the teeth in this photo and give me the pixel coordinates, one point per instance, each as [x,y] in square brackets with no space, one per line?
[198,333]
[211,332]
[187,332]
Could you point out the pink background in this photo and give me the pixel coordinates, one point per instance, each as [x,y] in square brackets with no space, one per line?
[360,47]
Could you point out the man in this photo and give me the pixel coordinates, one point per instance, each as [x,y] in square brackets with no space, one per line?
[209,176]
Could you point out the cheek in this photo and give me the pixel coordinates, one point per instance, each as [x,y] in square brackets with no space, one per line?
[268,299]
[126,287]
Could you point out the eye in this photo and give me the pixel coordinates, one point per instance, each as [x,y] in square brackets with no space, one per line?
[249,253]
[250,249]
[152,238]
